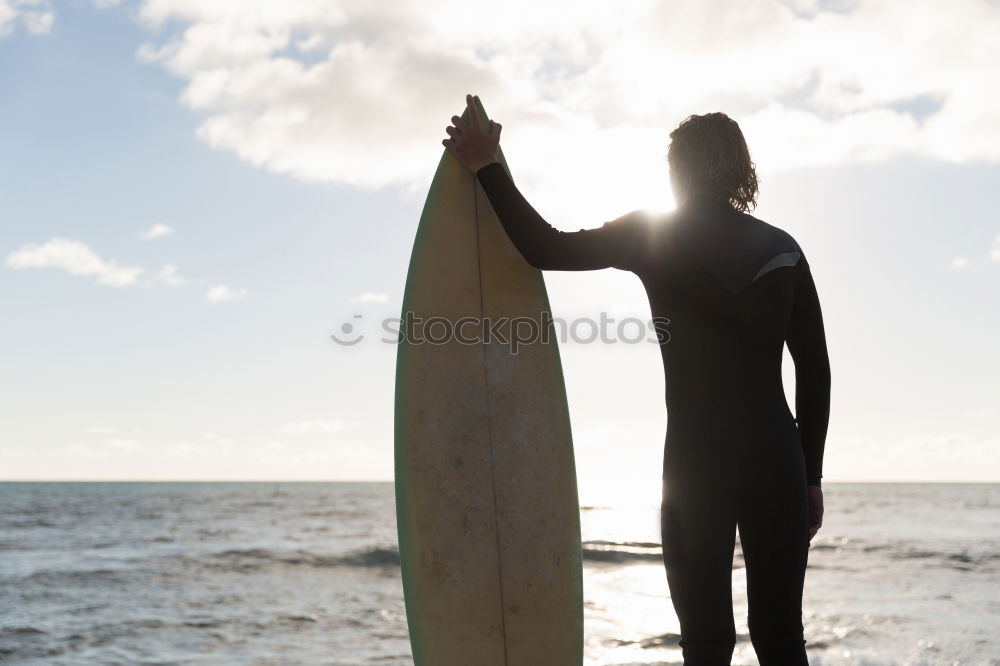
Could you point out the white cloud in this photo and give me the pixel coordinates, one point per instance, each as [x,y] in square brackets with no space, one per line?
[38,22]
[215,438]
[76,258]
[313,427]
[34,15]
[360,92]
[959,263]
[157,231]
[370,297]
[122,444]
[168,276]
[220,293]
[101,430]
[185,449]
[7,15]
[109,447]
[317,459]
[995,252]
[81,450]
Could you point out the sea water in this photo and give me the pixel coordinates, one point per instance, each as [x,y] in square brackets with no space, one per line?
[308,573]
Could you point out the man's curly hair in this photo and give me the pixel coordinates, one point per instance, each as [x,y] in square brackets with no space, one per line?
[710,155]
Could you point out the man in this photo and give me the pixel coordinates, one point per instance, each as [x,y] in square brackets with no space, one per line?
[735,290]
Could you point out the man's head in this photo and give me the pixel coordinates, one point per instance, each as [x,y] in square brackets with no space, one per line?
[709,159]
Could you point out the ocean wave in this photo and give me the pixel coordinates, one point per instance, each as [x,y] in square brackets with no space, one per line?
[26,523]
[594,551]
[961,557]
[663,640]
[71,577]
[15,639]
[616,552]
[379,556]
[9,632]
[612,552]
[962,560]
[374,557]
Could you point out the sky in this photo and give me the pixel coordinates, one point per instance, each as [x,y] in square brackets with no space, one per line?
[195,194]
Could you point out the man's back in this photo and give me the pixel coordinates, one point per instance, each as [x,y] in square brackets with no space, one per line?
[733,289]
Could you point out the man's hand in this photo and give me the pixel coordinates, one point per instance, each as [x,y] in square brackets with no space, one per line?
[473,147]
[815,510]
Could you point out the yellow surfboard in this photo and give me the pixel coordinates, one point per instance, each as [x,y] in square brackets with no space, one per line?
[486,494]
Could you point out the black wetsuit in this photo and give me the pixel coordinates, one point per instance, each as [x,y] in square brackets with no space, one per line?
[735,290]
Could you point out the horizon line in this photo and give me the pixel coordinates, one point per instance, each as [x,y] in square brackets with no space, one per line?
[825,483]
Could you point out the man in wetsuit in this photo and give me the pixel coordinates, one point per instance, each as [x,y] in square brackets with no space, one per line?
[735,290]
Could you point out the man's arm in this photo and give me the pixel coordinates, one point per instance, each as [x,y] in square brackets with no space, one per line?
[806,340]
[613,245]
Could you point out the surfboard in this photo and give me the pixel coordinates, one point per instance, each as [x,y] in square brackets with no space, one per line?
[486,493]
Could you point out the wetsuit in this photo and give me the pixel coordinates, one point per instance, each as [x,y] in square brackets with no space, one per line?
[735,290]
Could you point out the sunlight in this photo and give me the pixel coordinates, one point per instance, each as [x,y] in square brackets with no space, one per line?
[630,617]
[580,177]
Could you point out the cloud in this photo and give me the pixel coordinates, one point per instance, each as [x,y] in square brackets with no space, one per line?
[220,293]
[123,444]
[34,15]
[313,427]
[184,448]
[157,231]
[76,258]
[7,15]
[959,263]
[214,437]
[107,448]
[168,276]
[359,92]
[370,297]
[995,252]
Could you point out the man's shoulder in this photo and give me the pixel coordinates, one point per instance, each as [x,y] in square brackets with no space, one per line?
[777,235]
[637,216]
[643,223]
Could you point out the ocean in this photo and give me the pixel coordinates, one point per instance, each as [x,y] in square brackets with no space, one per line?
[308,573]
